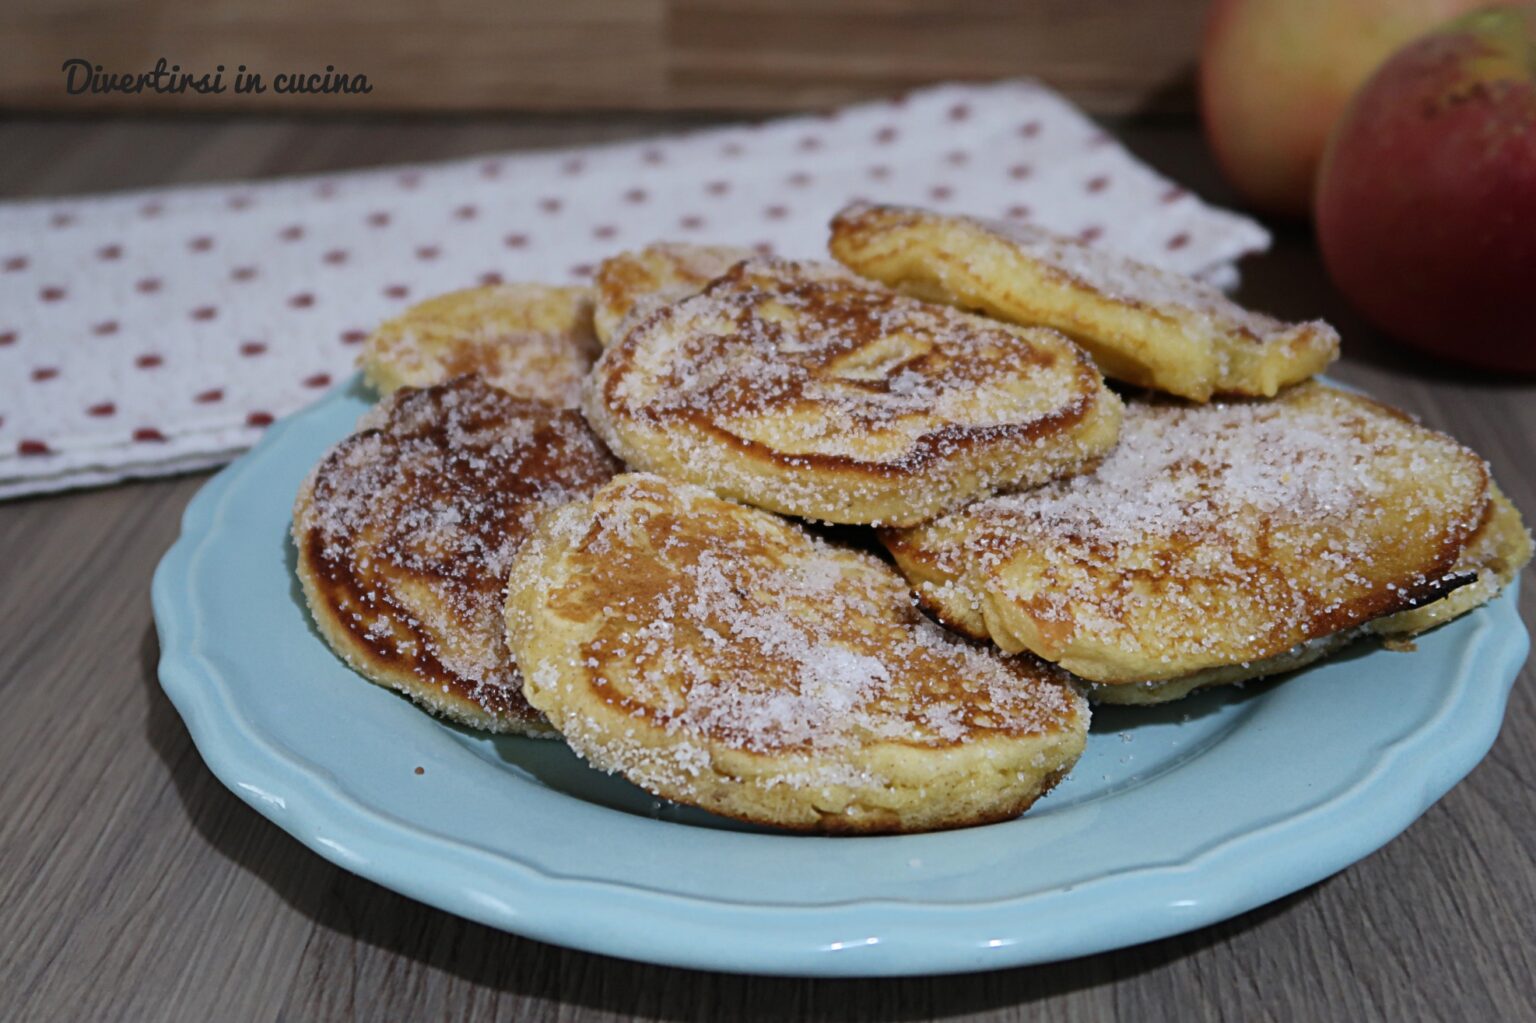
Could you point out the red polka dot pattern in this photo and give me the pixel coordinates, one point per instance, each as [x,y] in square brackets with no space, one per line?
[177,324]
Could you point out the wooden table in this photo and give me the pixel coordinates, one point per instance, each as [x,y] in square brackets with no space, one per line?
[134,886]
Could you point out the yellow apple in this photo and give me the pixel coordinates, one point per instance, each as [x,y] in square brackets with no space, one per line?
[1275,74]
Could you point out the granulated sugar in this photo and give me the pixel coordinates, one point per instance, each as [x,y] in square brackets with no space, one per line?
[848,385]
[1209,530]
[727,626]
[411,524]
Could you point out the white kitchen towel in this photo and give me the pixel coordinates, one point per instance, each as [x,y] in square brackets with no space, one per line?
[161,331]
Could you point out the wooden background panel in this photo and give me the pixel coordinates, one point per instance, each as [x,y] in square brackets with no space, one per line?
[456,54]
[656,55]
[1112,56]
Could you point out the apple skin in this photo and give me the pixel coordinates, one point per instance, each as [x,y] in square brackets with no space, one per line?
[1275,74]
[1426,202]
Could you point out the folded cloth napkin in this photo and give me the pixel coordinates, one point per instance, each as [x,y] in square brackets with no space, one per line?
[155,332]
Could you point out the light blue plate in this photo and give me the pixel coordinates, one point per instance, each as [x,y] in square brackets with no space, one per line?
[1174,818]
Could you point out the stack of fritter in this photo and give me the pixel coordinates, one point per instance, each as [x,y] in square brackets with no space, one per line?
[633,554]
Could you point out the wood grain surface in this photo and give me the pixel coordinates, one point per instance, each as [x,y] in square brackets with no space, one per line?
[133,886]
[1110,55]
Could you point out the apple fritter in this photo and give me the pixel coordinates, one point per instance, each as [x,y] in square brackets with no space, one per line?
[405,533]
[531,340]
[800,388]
[634,284]
[723,657]
[1143,325]
[1215,537]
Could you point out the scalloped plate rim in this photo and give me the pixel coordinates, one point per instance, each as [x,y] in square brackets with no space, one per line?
[643,923]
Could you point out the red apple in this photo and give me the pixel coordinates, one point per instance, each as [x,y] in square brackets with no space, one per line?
[1275,74]
[1426,203]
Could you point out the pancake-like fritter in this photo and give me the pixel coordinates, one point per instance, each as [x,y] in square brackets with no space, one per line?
[405,533]
[723,657]
[1211,537]
[634,284]
[1497,551]
[531,340]
[1143,325]
[799,388]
